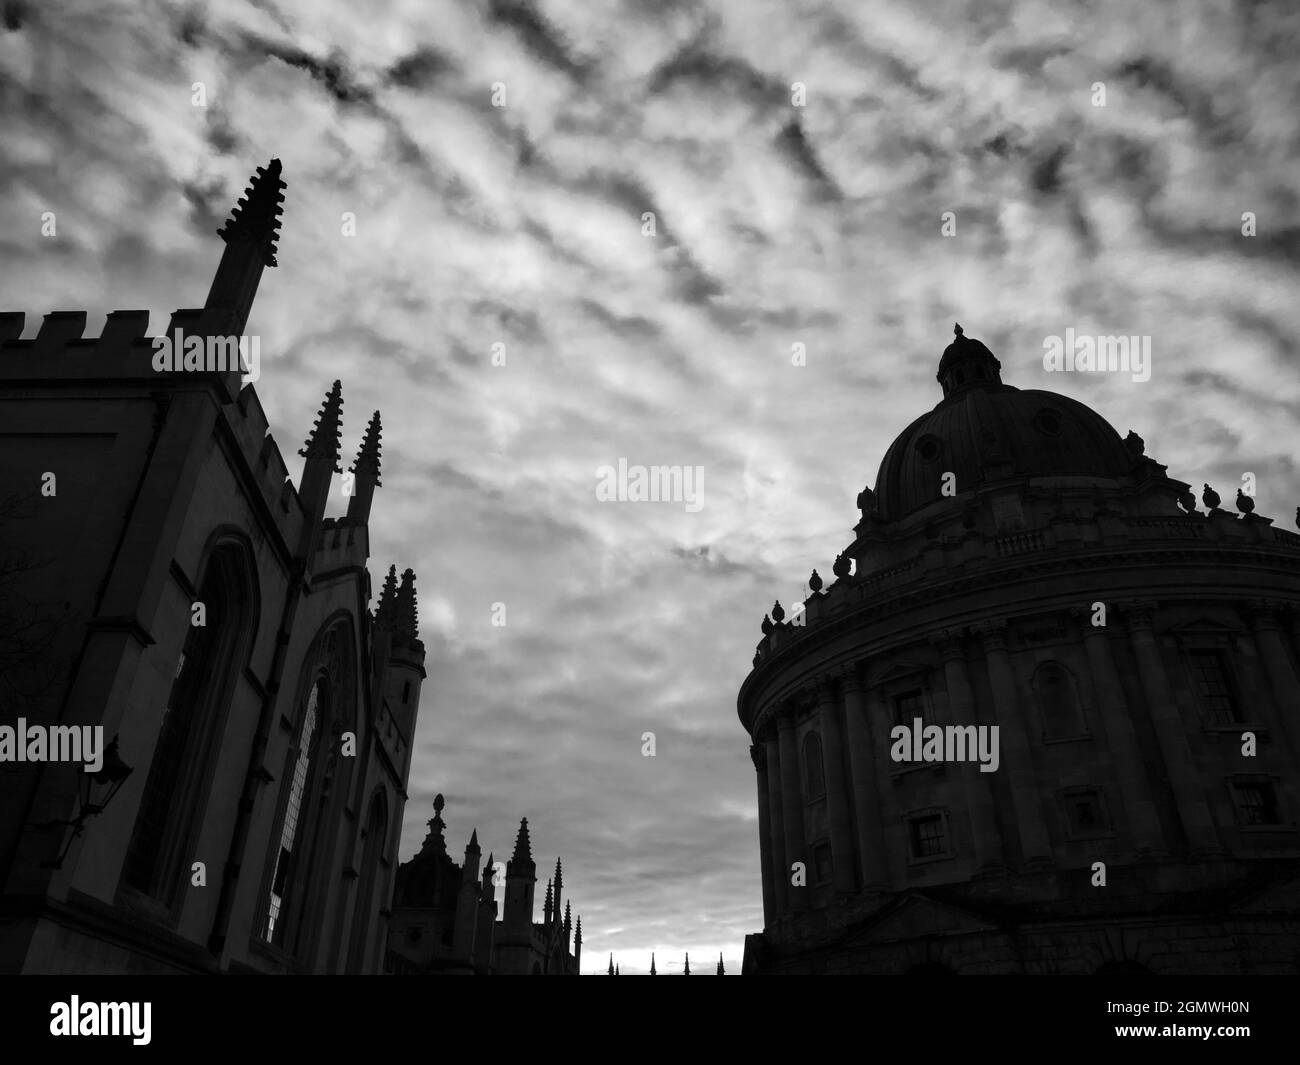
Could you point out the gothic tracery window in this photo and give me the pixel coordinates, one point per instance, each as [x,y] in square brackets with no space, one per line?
[311,801]
[202,686]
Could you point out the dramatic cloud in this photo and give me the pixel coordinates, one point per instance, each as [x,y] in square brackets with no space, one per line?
[774,225]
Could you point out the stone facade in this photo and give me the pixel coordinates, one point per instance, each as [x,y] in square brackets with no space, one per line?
[1019,565]
[205,614]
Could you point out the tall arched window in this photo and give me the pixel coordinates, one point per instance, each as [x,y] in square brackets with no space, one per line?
[310,804]
[175,791]
[1058,701]
[814,780]
[376,835]
[283,879]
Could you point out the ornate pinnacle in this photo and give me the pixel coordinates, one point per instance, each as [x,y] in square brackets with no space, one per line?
[406,618]
[367,460]
[323,441]
[256,217]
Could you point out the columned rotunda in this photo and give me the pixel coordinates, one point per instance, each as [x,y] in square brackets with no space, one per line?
[1020,565]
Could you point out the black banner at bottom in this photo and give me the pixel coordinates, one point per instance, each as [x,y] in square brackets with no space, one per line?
[250,1015]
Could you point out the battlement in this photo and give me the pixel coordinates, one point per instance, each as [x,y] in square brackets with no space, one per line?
[59,354]
[123,352]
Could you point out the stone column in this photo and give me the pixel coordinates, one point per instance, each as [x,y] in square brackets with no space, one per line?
[1193,810]
[865,771]
[1267,629]
[1122,741]
[978,790]
[1016,756]
[759,756]
[792,809]
[780,868]
[843,859]
[893,831]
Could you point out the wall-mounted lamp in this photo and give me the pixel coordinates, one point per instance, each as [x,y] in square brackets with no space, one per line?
[94,792]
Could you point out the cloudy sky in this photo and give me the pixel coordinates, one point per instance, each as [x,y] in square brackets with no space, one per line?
[775,225]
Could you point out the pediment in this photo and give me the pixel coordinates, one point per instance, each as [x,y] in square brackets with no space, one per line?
[913,915]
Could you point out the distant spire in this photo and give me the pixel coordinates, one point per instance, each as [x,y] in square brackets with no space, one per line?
[611,965]
[256,217]
[435,838]
[523,845]
[577,935]
[617,971]
[386,610]
[323,441]
[367,460]
[688,965]
[488,873]
[406,618]
[721,970]
[652,964]
[568,922]
[546,905]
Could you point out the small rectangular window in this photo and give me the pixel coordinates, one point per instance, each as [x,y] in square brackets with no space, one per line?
[928,837]
[1213,685]
[1257,803]
[907,707]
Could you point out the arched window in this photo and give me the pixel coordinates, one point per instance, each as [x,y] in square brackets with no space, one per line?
[376,834]
[310,802]
[175,791]
[1057,694]
[814,781]
[282,881]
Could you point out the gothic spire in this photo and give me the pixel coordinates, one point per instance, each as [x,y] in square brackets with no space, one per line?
[523,845]
[365,468]
[577,935]
[611,965]
[367,460]
[546,906]
[688,965]
[323,441]
[256,218]
[488,886]
[652,964]
[406,618]
[386,611]
[721,970]
[473,840]
[250,234]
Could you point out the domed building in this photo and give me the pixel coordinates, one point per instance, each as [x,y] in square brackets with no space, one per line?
[1044,719]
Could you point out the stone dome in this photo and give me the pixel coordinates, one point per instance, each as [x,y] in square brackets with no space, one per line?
[984,430]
